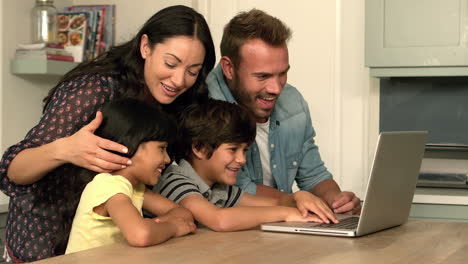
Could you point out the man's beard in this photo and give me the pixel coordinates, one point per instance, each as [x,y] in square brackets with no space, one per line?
[244,99]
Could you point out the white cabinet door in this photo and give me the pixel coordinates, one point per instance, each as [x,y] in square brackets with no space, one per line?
[416,33]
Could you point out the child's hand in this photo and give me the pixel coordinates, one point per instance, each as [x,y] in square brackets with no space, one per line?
[307,202]
[176,212]
[181,226]
[295,216]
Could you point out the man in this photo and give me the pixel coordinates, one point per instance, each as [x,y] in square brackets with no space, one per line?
[253,72]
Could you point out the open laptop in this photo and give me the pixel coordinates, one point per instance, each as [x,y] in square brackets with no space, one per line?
[389,192]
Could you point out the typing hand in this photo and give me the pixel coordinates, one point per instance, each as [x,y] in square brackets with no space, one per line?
[307,202]
[295,216]
[346,203]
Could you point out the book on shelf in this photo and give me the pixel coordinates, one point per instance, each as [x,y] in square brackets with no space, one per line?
[100,26]
[43,51]
[72,33]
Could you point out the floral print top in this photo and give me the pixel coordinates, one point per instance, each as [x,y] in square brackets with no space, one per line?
[33,222]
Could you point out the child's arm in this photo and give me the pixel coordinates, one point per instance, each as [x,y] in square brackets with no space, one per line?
[239,218]
[164,208]
[297,199]
[139,231]
[248,199]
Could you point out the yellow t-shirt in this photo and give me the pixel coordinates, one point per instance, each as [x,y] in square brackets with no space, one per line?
[90,230]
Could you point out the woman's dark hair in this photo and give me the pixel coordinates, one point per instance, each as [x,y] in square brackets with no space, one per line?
[211,124]
[129,122]
[125,64]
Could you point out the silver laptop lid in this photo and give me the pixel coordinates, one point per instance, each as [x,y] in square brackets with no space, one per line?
[389,196]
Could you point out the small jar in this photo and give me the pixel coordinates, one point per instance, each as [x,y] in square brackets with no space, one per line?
[44,21]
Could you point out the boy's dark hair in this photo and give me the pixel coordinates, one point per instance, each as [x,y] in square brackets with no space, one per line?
[211,124]
[129,122]
[254,24]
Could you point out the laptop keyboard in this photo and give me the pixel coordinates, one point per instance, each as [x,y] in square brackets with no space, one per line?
[349,223]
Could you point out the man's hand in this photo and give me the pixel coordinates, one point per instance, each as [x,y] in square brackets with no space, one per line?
[307,202]
[346,203]
[340,202]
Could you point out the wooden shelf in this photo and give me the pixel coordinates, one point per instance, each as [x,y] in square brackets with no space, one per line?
[41,67]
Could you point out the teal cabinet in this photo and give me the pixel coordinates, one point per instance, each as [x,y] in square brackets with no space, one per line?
[445,212]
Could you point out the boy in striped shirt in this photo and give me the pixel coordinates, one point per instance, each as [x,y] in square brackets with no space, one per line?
[213,139]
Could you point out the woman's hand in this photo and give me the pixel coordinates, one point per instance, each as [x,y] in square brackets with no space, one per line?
[84,149]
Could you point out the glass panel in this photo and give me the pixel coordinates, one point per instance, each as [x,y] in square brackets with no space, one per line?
[436,104]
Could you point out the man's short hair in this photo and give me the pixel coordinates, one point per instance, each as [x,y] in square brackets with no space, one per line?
[254,24]
[211,124]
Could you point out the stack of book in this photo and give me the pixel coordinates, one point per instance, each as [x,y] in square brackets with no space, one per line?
[91,26]
[43,51]
[84,32]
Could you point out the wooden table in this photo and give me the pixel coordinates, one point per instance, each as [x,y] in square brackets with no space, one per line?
[414,242]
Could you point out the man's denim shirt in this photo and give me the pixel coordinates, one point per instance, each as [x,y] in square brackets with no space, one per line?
[293,153]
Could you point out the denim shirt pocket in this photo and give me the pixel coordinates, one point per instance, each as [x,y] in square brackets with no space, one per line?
[292,164]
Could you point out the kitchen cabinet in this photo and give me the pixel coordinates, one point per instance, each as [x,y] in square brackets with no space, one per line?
[448,204]
[445,212]
[416,37]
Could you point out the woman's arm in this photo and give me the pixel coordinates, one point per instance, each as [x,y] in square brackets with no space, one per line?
[139,231]
[83,149]
[73,105]
[239,217]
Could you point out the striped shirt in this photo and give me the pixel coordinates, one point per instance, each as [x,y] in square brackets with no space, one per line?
[180,181]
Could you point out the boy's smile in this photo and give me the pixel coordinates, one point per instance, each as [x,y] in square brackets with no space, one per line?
[223,166]
[148,162]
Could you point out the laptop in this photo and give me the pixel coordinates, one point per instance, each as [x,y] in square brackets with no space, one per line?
[389,193]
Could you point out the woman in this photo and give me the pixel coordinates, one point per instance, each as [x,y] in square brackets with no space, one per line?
[165,63]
